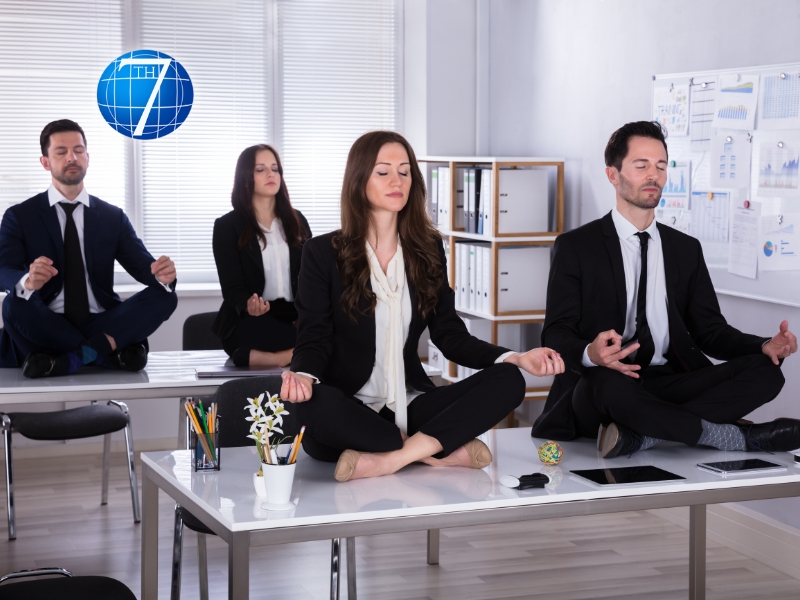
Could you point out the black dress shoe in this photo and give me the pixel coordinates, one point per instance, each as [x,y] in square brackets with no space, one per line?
[780,435]
[241,357]
[133,357]
[38,364]
[614,440]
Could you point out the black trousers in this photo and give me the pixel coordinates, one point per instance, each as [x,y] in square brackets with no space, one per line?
[33,327]
[264,333]
[452,414]
[667,405]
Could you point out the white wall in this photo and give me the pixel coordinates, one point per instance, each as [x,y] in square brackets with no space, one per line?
[565,75]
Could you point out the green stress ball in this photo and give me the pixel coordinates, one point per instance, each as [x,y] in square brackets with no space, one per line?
[551,453]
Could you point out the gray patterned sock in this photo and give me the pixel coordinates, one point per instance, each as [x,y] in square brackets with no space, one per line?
[722,437]
[648,442]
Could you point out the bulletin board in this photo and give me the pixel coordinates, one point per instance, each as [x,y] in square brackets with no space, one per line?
[733,180]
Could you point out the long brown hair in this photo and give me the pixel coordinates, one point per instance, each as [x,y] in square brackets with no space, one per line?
[418,236]
[242,201]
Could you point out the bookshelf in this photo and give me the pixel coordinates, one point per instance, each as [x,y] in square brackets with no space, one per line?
[497,235]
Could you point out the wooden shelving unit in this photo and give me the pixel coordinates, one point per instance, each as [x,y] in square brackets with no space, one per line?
[499,240]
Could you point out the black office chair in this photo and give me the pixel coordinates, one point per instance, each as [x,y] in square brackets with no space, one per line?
[233,432]
[68,588]
[197,334]
[72,424]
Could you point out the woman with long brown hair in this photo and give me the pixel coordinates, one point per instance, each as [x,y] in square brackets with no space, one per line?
[365,295]
[257,248]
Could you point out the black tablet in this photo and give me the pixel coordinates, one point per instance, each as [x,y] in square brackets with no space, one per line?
[627,475]
[747,465]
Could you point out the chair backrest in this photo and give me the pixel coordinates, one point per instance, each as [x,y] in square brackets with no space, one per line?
[197,334]
[231,398]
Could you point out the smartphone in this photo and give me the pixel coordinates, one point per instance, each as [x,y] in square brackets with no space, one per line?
[748,465]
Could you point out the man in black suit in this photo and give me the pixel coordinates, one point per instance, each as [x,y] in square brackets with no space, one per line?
[631,309]
[57,253]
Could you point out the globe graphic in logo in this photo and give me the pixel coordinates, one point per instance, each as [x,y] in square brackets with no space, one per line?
[769,249]
[145,94]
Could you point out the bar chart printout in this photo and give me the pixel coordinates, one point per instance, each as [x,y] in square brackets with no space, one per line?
[778,169]
[736,101]
[676,191]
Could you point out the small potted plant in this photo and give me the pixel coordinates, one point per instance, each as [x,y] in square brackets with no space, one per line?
[274,479]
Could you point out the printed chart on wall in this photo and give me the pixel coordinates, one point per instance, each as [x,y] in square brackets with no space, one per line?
[733,180]
[778,169]
[736,102]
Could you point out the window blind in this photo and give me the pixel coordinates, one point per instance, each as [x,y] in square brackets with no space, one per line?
[187,176]
[51,56]
[340,74]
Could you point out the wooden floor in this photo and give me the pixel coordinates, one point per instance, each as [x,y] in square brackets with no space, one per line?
[630,555]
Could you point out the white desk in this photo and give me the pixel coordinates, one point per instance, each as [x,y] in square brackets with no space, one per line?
[421,497]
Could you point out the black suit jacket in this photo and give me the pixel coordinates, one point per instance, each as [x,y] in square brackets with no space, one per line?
[241,274]
[31,229]
[341,353]
[586,296]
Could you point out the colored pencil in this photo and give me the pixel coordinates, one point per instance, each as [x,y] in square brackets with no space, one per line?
[296,446]
[199,432]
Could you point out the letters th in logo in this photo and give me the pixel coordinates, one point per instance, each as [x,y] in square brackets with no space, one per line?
[145,94]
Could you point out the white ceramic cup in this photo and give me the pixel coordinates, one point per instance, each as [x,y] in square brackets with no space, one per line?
[278,481]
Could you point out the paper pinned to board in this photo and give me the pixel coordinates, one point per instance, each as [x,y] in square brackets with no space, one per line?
[671,108]
[779,243]
[677,218]
[779,101]
[743,246]
[730,159]
[701,112]
[736,101]
[779,168]
[710,216]
[675,193]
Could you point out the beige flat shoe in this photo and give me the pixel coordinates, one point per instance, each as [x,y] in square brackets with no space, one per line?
[479,454]
[347,465]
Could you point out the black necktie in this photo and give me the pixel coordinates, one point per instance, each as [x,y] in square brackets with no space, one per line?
[76,297]
[646,347]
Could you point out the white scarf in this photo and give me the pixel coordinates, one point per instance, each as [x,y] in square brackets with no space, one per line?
[388,287]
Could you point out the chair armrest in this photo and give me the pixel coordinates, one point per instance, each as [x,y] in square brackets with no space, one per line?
[36,573]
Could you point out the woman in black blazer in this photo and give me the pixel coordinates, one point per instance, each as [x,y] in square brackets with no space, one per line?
[257,248]
[365,295]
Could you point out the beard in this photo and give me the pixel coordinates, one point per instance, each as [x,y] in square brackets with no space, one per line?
[637,196]
[74,178]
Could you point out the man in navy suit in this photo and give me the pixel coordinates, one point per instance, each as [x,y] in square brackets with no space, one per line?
[57,253]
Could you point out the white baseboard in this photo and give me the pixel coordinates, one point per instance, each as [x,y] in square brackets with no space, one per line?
[757,536]
[145,445]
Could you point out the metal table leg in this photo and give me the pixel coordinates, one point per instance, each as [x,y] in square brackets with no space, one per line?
[697,552]
[239,566]
[149,538]
[351,568]
[336,561]
[433,546]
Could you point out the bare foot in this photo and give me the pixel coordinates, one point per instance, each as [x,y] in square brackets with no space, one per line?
[372,465]
[459,458]
[271,359]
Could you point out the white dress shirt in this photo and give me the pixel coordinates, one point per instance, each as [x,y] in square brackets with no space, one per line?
[275,257]
[57,305]
[656,308]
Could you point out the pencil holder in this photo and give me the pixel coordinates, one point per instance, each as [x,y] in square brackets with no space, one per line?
[278,481]
[205,451]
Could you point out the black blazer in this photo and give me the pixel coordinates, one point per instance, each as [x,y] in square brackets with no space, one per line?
[341,353]
[586,296]
[241,274]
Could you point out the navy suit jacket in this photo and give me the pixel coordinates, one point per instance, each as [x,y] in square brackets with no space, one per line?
[31,229]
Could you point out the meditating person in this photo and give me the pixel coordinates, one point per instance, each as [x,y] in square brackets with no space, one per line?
[631,308]
[257,248]
[57,253]
[366,293]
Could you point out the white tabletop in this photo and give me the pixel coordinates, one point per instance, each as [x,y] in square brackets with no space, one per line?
[228,496]
[167,375]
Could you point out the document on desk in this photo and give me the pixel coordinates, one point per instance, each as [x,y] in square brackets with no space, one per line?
[778,243]
[744,242]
